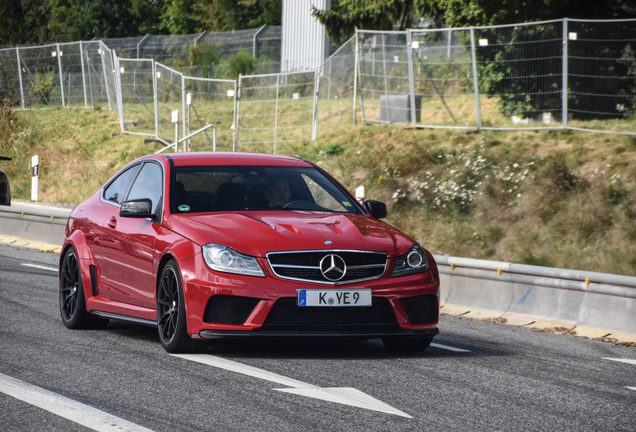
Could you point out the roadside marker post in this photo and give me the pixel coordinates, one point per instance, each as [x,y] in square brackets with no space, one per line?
[35,163]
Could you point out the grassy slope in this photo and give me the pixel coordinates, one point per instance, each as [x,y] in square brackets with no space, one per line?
[563,199]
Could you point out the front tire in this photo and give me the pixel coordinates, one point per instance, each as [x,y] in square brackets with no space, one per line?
[407,344]
[72,301]
[171,317]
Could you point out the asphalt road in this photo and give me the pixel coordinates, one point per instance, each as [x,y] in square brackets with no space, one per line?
[511,378]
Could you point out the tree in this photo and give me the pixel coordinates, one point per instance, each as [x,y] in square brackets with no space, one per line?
[346,15]
[462,13]
[23,21]
[531,87]
[73,20]
[195,16]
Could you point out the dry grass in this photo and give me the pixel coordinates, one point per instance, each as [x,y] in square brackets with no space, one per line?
[564,199]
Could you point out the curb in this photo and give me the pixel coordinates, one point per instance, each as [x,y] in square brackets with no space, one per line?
[538,323]
[41,246]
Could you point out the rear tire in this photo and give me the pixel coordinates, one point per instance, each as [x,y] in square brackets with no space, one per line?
[407,344]
[171,317]
[72,301]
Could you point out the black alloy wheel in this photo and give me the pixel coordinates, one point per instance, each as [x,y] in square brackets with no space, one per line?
[72,303]
[171,320]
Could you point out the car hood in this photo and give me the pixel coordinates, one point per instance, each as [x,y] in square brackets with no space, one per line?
[256,233]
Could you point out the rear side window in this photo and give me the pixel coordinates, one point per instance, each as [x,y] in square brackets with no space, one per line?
[116,191]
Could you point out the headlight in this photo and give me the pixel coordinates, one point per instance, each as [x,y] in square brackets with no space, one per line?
[224,259]
[411,263]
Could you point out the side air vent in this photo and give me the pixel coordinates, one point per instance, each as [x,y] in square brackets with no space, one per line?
[93,270]
[223,309]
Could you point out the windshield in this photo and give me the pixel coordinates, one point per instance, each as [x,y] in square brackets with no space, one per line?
[232,188]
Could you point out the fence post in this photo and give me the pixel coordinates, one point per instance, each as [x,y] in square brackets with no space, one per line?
[154,96]
[564,84]
[83,74]
[386,84]
[411,78]
[355,77]
[238,116]
[118,93]
[255,40]
[183,110]
[276,112]
[106,70]
[17,51]
[59,64]
[234,117]
[473,51]
[316,90]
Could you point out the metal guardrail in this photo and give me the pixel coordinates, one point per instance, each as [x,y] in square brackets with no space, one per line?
[34,222]
[585,300]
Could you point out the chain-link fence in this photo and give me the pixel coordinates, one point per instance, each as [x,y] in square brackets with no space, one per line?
[274,109]
[577,74]
[335,79]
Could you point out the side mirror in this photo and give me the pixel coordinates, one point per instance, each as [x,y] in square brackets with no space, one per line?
[376,208]
[139,208]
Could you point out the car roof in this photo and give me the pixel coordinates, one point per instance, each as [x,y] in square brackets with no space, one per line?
[235,158]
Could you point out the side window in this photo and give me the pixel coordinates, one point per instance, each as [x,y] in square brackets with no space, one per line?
[149,184]
[118,188]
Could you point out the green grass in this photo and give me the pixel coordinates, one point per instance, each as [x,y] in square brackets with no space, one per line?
[564,199]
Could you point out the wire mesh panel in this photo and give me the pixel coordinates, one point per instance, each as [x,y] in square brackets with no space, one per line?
[602,74]
[443,79]
[137,89]
[169,99]
[10,78]
[384,76]
[124,47]
[41,76]
[210,102]
[96,92]
[173,51]
[110,81]
[335,91]
[72,76]
[520,72]
[275,109]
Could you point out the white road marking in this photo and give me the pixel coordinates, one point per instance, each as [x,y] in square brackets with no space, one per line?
[631,388]
[39,267]
[449,348]
[346,395]
[629,361]
[64,407]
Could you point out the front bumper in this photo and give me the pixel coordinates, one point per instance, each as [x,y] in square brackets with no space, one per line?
[390,319]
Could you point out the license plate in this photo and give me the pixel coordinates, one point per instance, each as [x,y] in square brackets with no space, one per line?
[316,297]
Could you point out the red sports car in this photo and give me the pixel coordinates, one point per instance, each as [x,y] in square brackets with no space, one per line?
[211,245]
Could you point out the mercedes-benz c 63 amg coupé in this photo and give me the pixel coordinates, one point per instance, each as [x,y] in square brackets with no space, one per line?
[212,245]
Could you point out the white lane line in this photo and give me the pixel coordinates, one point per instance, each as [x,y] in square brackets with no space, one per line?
[64,407]
[344,395]
[449,348]
[629,361]
[39,267]
[243,369]
[631,388]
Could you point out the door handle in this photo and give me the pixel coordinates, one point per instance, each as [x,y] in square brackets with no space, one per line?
[112,223]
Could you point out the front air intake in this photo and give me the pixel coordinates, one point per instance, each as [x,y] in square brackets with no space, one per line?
[421,309]
[224,309]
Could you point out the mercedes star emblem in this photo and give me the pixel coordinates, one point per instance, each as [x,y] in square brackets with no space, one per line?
[333,267]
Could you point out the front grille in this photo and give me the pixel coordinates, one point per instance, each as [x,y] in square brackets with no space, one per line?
[286,315]
[421,309]
[223,309]
[305,265]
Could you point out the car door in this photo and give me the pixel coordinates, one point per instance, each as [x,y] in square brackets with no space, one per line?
[128,245]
